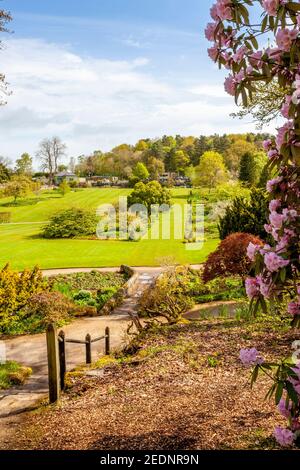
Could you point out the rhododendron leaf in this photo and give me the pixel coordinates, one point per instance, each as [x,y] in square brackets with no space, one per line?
[292,392]
[283,274]
[254,375]
[279,392]
[264,23]
[293,6]
[254,42]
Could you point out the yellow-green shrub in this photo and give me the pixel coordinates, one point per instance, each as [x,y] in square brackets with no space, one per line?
[15,290]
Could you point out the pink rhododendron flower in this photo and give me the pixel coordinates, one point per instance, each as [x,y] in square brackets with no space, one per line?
[250,357]
[271,6]
[255,59]
[240,54]
[230,85]
[272,153]
[224,10]
[286,107]
[252,250]
[294,308]
[210,31]
[264,287]
[267,144]
[274,204]
[284,409]
[213,53]
[284,437]
[281,136]
[272,183]
[252,287]
[274,262]
[276,219]
[285,37]
[214,12]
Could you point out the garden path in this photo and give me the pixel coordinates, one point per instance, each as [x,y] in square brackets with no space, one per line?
[31,350]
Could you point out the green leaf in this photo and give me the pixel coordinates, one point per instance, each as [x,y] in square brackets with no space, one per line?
[279,392]
[292,392]
[264,23]
[293,6]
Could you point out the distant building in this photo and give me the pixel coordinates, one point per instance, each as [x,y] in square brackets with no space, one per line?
[65,176]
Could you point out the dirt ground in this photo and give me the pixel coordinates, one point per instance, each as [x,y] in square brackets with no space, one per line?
[183,389]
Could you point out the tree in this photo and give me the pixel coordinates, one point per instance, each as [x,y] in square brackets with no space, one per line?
[230,258]
[18,187]
[233,155]
[24,165]
[50,152]
[64,188]
[155,167]
[140,172]
[4,170]
[5,18]
[265,105]
[247,169]
[211,170]
[148,194]
[247,216]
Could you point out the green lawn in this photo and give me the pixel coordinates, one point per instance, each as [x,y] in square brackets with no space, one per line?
[21,246]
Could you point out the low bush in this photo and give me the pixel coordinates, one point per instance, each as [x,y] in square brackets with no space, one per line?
[230,258]
[223,288]
[168,298]
[71,223]
[48,307]
[15,291]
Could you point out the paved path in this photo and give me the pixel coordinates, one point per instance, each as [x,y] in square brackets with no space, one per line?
[31,350]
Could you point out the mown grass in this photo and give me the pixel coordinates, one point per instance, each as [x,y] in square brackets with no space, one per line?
[21,246]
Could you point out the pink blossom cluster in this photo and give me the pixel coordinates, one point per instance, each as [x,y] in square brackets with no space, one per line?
[271,6]
[285,437]
[284,189]
[285,38]
[223,9]
[250,357]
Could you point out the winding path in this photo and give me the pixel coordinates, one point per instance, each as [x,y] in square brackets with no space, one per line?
[31,350]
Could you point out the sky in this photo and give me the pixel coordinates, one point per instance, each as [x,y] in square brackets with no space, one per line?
[102,72]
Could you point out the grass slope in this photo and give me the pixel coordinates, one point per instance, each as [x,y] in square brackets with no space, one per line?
[22,247]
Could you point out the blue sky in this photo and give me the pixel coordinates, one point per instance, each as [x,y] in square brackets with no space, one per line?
[102,72]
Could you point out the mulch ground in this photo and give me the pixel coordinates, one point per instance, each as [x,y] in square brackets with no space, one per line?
[185,389]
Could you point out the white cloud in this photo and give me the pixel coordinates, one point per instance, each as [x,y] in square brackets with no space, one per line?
[94,103]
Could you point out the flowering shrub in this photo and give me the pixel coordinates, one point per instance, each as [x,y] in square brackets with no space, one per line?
[230,258]
[286,389]
[237,47]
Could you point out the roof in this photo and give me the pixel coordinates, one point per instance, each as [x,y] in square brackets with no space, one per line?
[63,174]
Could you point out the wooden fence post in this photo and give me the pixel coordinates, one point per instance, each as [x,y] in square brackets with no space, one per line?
[62,358]
[107,341]
[53,363]
[88,347]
